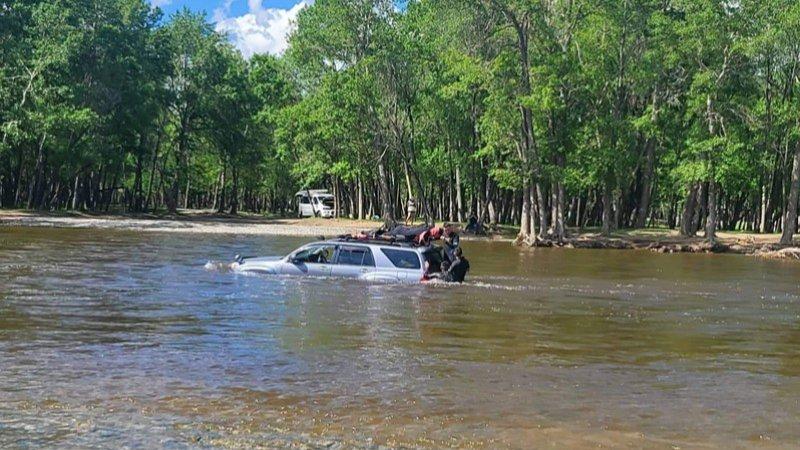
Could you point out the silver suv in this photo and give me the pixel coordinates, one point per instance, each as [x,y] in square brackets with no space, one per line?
[345,258]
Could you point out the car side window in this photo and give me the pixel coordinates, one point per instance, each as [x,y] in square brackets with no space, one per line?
[318,254]
[303,254]
[368,259]
[402,259]
[304,200]
[355,256]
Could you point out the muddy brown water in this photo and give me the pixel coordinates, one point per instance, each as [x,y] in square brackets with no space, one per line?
[111,339]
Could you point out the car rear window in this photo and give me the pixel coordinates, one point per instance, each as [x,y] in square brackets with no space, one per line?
[356,256]
[402,259]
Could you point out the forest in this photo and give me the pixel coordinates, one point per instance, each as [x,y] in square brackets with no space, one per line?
[543,114]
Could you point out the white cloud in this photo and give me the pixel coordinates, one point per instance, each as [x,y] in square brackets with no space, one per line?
[222,11]
[261,30]
[160,3]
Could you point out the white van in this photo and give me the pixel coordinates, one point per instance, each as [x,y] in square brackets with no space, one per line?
[315,203]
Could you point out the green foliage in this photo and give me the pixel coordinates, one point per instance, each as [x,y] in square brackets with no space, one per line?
[387,102]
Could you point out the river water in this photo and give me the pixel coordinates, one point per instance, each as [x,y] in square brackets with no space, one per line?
[111,339]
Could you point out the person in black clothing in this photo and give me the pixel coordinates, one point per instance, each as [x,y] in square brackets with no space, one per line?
[458,269]
[455,272]
[449,247]
[472,224]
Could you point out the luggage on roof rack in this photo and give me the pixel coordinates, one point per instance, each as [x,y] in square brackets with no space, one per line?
[381,240]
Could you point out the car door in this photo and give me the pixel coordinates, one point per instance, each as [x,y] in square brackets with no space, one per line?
[353,261]
[314,260]
[304,206]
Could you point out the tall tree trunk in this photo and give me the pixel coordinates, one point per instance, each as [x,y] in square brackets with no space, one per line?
[711,221]
[385,192]
[608,208]
[647,184]
[37,180]
[234,191]
[525,222]
[138,186]
[186,192]
[534,213]
[222,201]
[762,224]
[459,195]
[18,180]
[700,208]
[360,198]
[773,194]
[112,189]
[541,206]
[215,196]
[790,215]
[553,207]
[491,209]
[76,191]
[560,228]
[336,200]
[171,194]
[689,206]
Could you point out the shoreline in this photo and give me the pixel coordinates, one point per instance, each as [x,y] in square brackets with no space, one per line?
[208,222]
[671,242]
[193,221]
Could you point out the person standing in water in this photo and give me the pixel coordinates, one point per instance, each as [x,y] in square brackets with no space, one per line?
[459,267]
[450,244]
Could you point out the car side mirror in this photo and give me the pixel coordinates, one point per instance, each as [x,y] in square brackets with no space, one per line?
[297,261]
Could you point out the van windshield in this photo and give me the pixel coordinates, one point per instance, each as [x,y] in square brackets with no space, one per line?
[325,201]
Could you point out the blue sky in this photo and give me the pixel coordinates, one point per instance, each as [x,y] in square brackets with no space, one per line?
[253,26]
[238,7]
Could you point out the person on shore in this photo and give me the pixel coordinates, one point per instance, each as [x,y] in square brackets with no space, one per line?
[474,226]
[411,208]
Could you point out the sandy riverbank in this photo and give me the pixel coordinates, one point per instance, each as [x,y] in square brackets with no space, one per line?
[207,222]
[188,222]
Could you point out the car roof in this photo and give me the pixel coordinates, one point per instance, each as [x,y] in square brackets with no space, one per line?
[317,192]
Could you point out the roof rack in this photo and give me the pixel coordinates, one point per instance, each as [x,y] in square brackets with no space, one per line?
[392,242]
